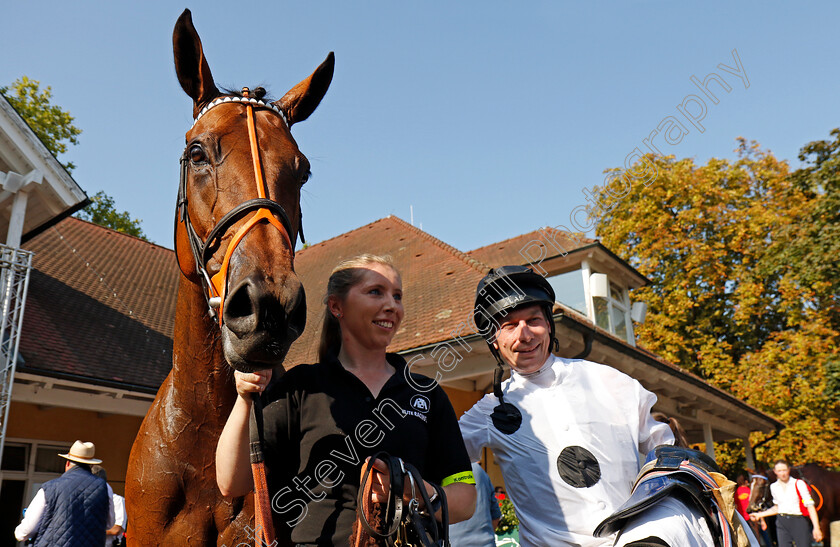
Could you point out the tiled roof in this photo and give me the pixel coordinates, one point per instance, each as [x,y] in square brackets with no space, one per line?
[101,306]
[438,282]
[507,252]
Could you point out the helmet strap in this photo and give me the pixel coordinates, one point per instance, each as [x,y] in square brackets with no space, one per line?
[506,417]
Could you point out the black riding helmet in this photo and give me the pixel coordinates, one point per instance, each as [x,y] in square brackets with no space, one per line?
[504,289]
[501,291]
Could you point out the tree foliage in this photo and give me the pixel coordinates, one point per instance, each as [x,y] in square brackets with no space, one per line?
[742,258]
[102,211]
[53,125]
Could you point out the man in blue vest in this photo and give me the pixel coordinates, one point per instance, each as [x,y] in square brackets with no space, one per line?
[73,510]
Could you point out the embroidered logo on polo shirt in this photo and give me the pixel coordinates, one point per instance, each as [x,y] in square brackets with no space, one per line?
[420,403]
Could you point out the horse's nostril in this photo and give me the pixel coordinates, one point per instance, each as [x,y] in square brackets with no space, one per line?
[239,304]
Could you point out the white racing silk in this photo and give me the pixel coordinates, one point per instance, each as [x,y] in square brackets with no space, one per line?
[567,403]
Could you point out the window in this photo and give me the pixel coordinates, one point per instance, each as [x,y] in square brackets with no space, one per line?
[611,313]
[618,311]
[15,457]
[27,464]
[568,290]
[47,459]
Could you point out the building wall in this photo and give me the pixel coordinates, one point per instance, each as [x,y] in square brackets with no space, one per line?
[112,434]
[461,400]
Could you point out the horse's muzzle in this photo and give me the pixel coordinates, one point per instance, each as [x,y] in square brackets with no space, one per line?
[261,320]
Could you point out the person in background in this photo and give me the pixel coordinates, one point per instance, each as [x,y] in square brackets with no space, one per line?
[115,534]
[480,529]
[500,494]
[742,496]
[792,527]
[73,510]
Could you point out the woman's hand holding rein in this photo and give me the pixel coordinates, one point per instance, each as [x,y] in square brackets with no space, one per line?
[248,383]
[233,469]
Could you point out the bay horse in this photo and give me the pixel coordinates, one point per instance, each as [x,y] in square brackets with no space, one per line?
[240,303]
[825,489]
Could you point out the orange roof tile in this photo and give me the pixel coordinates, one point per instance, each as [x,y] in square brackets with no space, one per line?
[101,305]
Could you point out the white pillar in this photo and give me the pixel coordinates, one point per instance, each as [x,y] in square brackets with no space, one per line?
[709,440]
[587,294]
[748,454]
[16,220]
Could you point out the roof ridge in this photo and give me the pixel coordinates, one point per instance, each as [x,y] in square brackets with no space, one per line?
[324,242]
[464,257]
[537,230]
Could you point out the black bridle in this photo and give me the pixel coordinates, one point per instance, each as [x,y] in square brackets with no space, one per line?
[401,519]
[264,209]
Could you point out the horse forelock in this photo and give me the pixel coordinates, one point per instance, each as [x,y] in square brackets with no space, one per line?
[258,92]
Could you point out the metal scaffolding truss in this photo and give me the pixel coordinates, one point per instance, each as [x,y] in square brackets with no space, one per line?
[15,265]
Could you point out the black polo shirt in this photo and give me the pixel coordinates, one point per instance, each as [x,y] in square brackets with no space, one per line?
[321,422]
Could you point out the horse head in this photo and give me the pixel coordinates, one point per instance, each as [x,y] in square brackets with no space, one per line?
[760,498]
[239,205]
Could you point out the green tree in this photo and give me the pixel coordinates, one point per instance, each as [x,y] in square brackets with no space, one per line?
[729,300]
[102,211]
[53,125]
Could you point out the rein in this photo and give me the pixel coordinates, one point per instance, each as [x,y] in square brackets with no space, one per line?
[400,523]
[264,525]
[264,209]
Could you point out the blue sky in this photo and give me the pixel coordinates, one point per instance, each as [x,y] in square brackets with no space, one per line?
[489,118]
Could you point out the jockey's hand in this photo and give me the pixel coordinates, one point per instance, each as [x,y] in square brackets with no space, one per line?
[251,382]
[754,517]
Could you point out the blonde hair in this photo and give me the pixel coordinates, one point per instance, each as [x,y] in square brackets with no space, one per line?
[343,277]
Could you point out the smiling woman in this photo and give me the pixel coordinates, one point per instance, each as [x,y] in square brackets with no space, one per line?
[323,420]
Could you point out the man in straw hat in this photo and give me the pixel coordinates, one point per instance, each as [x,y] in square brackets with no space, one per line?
[73,510]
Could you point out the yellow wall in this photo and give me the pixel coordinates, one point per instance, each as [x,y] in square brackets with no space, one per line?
[462,400]
[112,434]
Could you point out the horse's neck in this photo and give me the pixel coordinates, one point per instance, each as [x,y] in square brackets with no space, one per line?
[199,370]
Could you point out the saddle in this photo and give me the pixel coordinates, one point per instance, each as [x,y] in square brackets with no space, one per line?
[692,477]
[396,523]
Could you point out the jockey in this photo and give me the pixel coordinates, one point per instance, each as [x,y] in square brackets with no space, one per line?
[567,433]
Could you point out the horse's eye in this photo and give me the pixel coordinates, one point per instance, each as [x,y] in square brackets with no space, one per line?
[197,154]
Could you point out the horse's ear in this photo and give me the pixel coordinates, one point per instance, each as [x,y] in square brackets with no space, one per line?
[190,64]
[304,98]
